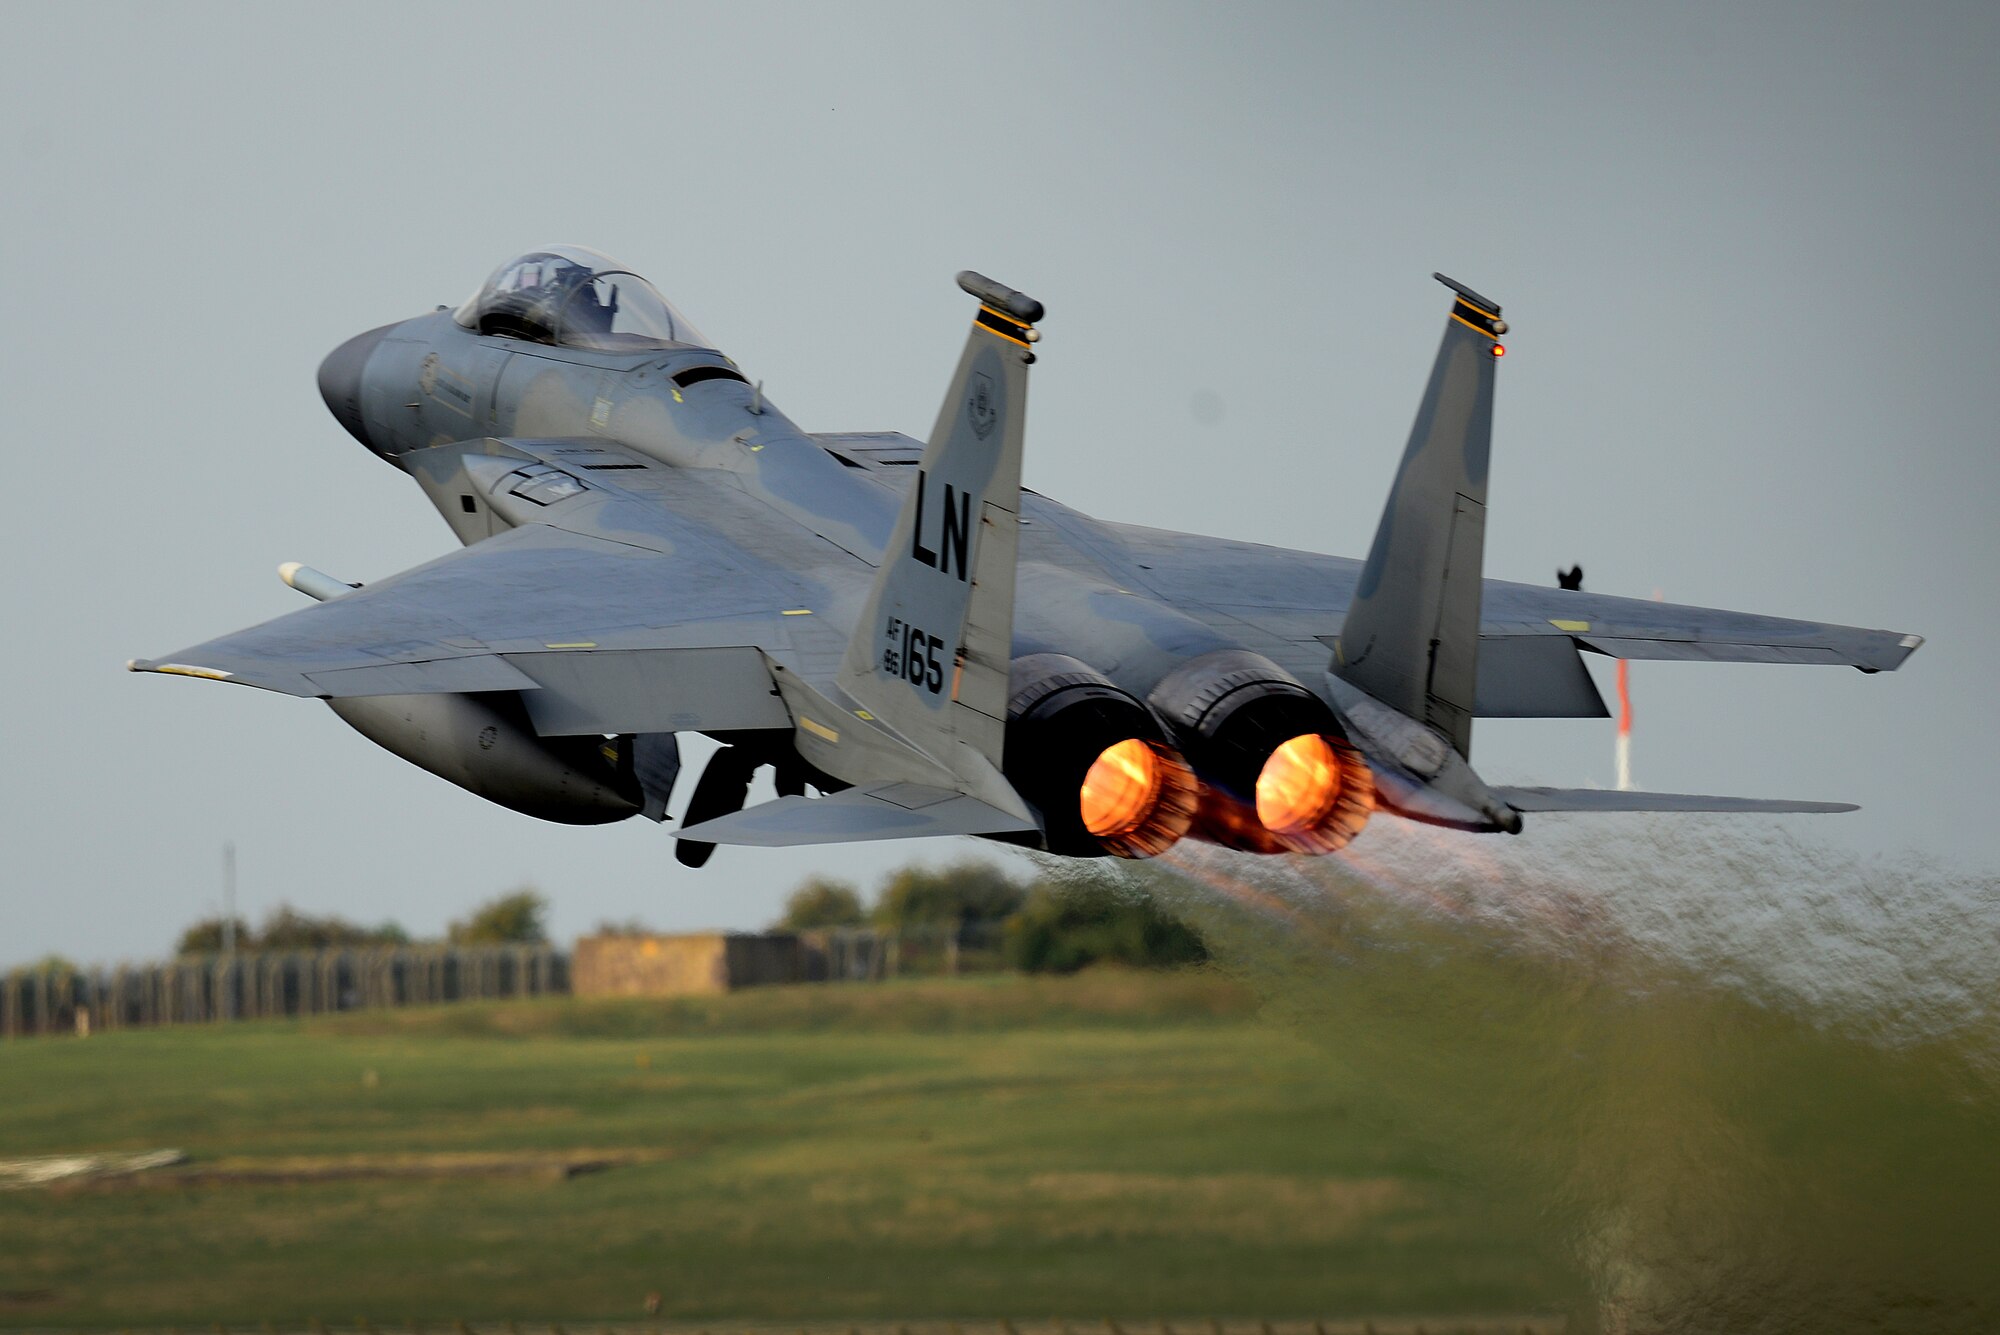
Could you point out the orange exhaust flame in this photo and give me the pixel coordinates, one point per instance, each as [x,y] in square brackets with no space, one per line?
[1298,786]
[1118,790]
[1138,799]
[1313,795]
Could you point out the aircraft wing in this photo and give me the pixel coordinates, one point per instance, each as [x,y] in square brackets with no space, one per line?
[668,626]
[1530,636]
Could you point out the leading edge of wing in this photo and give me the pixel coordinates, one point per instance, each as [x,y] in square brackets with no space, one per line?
[467,673]
[466,621]
[1615,800]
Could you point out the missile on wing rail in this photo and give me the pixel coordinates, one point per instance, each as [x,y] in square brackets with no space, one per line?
[313,583]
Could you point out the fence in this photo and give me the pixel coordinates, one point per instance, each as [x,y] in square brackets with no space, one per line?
[844,955]
[267,984]
[965,947]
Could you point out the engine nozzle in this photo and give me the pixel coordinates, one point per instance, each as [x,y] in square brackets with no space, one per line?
[1093,762]
[1278,774]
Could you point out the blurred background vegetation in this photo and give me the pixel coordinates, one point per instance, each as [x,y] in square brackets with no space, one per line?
[1058,922]
[519,917]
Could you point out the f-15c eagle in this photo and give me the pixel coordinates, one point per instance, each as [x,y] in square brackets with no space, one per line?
[651,548]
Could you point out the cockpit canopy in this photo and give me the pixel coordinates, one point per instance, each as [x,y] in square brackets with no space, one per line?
[576,298]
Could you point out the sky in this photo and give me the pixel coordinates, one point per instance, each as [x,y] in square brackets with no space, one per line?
[1746,254]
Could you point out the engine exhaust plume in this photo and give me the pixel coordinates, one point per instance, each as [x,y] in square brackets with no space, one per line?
[1740,1082]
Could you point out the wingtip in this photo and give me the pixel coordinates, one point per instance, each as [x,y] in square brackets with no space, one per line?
[1889,659]
[178,669]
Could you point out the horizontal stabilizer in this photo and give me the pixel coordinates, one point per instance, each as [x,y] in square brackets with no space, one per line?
[879,811]
[1610,799]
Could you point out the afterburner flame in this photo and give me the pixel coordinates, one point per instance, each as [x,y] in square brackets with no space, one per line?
[1120,789]
[1298,786]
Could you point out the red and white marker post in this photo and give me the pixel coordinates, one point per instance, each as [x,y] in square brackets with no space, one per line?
[1624,752]
[1624,727]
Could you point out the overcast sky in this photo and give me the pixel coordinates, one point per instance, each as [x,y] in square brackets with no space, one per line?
[1748,258]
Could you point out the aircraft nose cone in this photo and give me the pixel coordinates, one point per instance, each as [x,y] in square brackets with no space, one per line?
[340,380]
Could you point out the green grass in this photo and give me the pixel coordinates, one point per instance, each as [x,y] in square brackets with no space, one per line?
[1111,1144]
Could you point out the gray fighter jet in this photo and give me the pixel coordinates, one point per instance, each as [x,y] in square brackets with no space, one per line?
[651,548]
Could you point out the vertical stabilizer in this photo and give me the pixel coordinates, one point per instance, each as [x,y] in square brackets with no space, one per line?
[929,657]
[1411,638]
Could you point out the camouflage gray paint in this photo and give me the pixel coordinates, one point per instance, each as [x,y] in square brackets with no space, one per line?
[651,547]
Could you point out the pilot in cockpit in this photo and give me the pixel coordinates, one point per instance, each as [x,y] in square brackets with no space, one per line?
[588,317]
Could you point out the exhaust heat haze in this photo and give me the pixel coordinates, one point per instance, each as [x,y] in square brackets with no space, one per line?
[1742,1082]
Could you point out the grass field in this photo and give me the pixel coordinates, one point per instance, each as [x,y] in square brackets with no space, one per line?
[1109,1145]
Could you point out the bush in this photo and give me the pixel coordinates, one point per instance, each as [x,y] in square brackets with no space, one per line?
[966,893]
[821,903]
[286,928]
[511,919]
[205,937]
[1067,925]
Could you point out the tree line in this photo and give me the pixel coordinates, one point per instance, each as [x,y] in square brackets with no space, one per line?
[519,917]
[1048,924]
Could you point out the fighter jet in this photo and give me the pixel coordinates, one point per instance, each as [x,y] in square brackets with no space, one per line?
[899,629]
